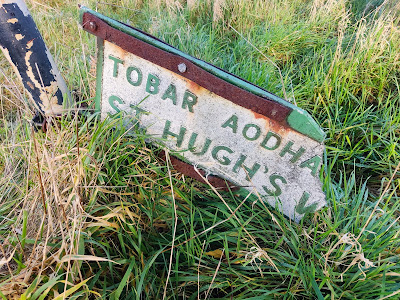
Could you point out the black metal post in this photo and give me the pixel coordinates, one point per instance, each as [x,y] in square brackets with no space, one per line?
[23,45]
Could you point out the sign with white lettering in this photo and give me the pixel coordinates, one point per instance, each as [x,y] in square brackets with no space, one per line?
[210,118]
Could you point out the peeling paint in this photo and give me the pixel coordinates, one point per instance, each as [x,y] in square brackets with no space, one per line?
[60,81]
[12,21]
[29,44]
[49,103]
[31,60]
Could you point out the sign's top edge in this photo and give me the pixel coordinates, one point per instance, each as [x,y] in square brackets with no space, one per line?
[298,119]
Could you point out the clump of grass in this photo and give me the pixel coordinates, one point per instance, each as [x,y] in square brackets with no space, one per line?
[88,211]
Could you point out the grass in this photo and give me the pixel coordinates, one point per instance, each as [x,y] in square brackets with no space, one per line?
[87,212]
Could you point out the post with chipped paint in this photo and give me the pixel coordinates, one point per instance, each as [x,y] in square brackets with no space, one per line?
[23,45]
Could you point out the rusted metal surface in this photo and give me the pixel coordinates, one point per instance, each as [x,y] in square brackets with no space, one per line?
[26,51]
[196,74]
[190,171]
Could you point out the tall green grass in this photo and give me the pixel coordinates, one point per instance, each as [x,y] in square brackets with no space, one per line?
[89,212]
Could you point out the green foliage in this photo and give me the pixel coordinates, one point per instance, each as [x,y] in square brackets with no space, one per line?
[90,211]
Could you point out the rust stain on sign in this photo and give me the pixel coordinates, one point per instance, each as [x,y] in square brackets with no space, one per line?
[195,87]
[227,131]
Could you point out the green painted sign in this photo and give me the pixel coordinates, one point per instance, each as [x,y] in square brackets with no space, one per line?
[210,119]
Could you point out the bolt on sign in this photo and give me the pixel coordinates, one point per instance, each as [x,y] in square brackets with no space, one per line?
[211,119]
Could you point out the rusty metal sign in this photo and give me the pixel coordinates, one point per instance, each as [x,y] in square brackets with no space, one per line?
[209,119]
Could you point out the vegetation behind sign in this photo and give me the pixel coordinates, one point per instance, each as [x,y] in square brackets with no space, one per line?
[120,223]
